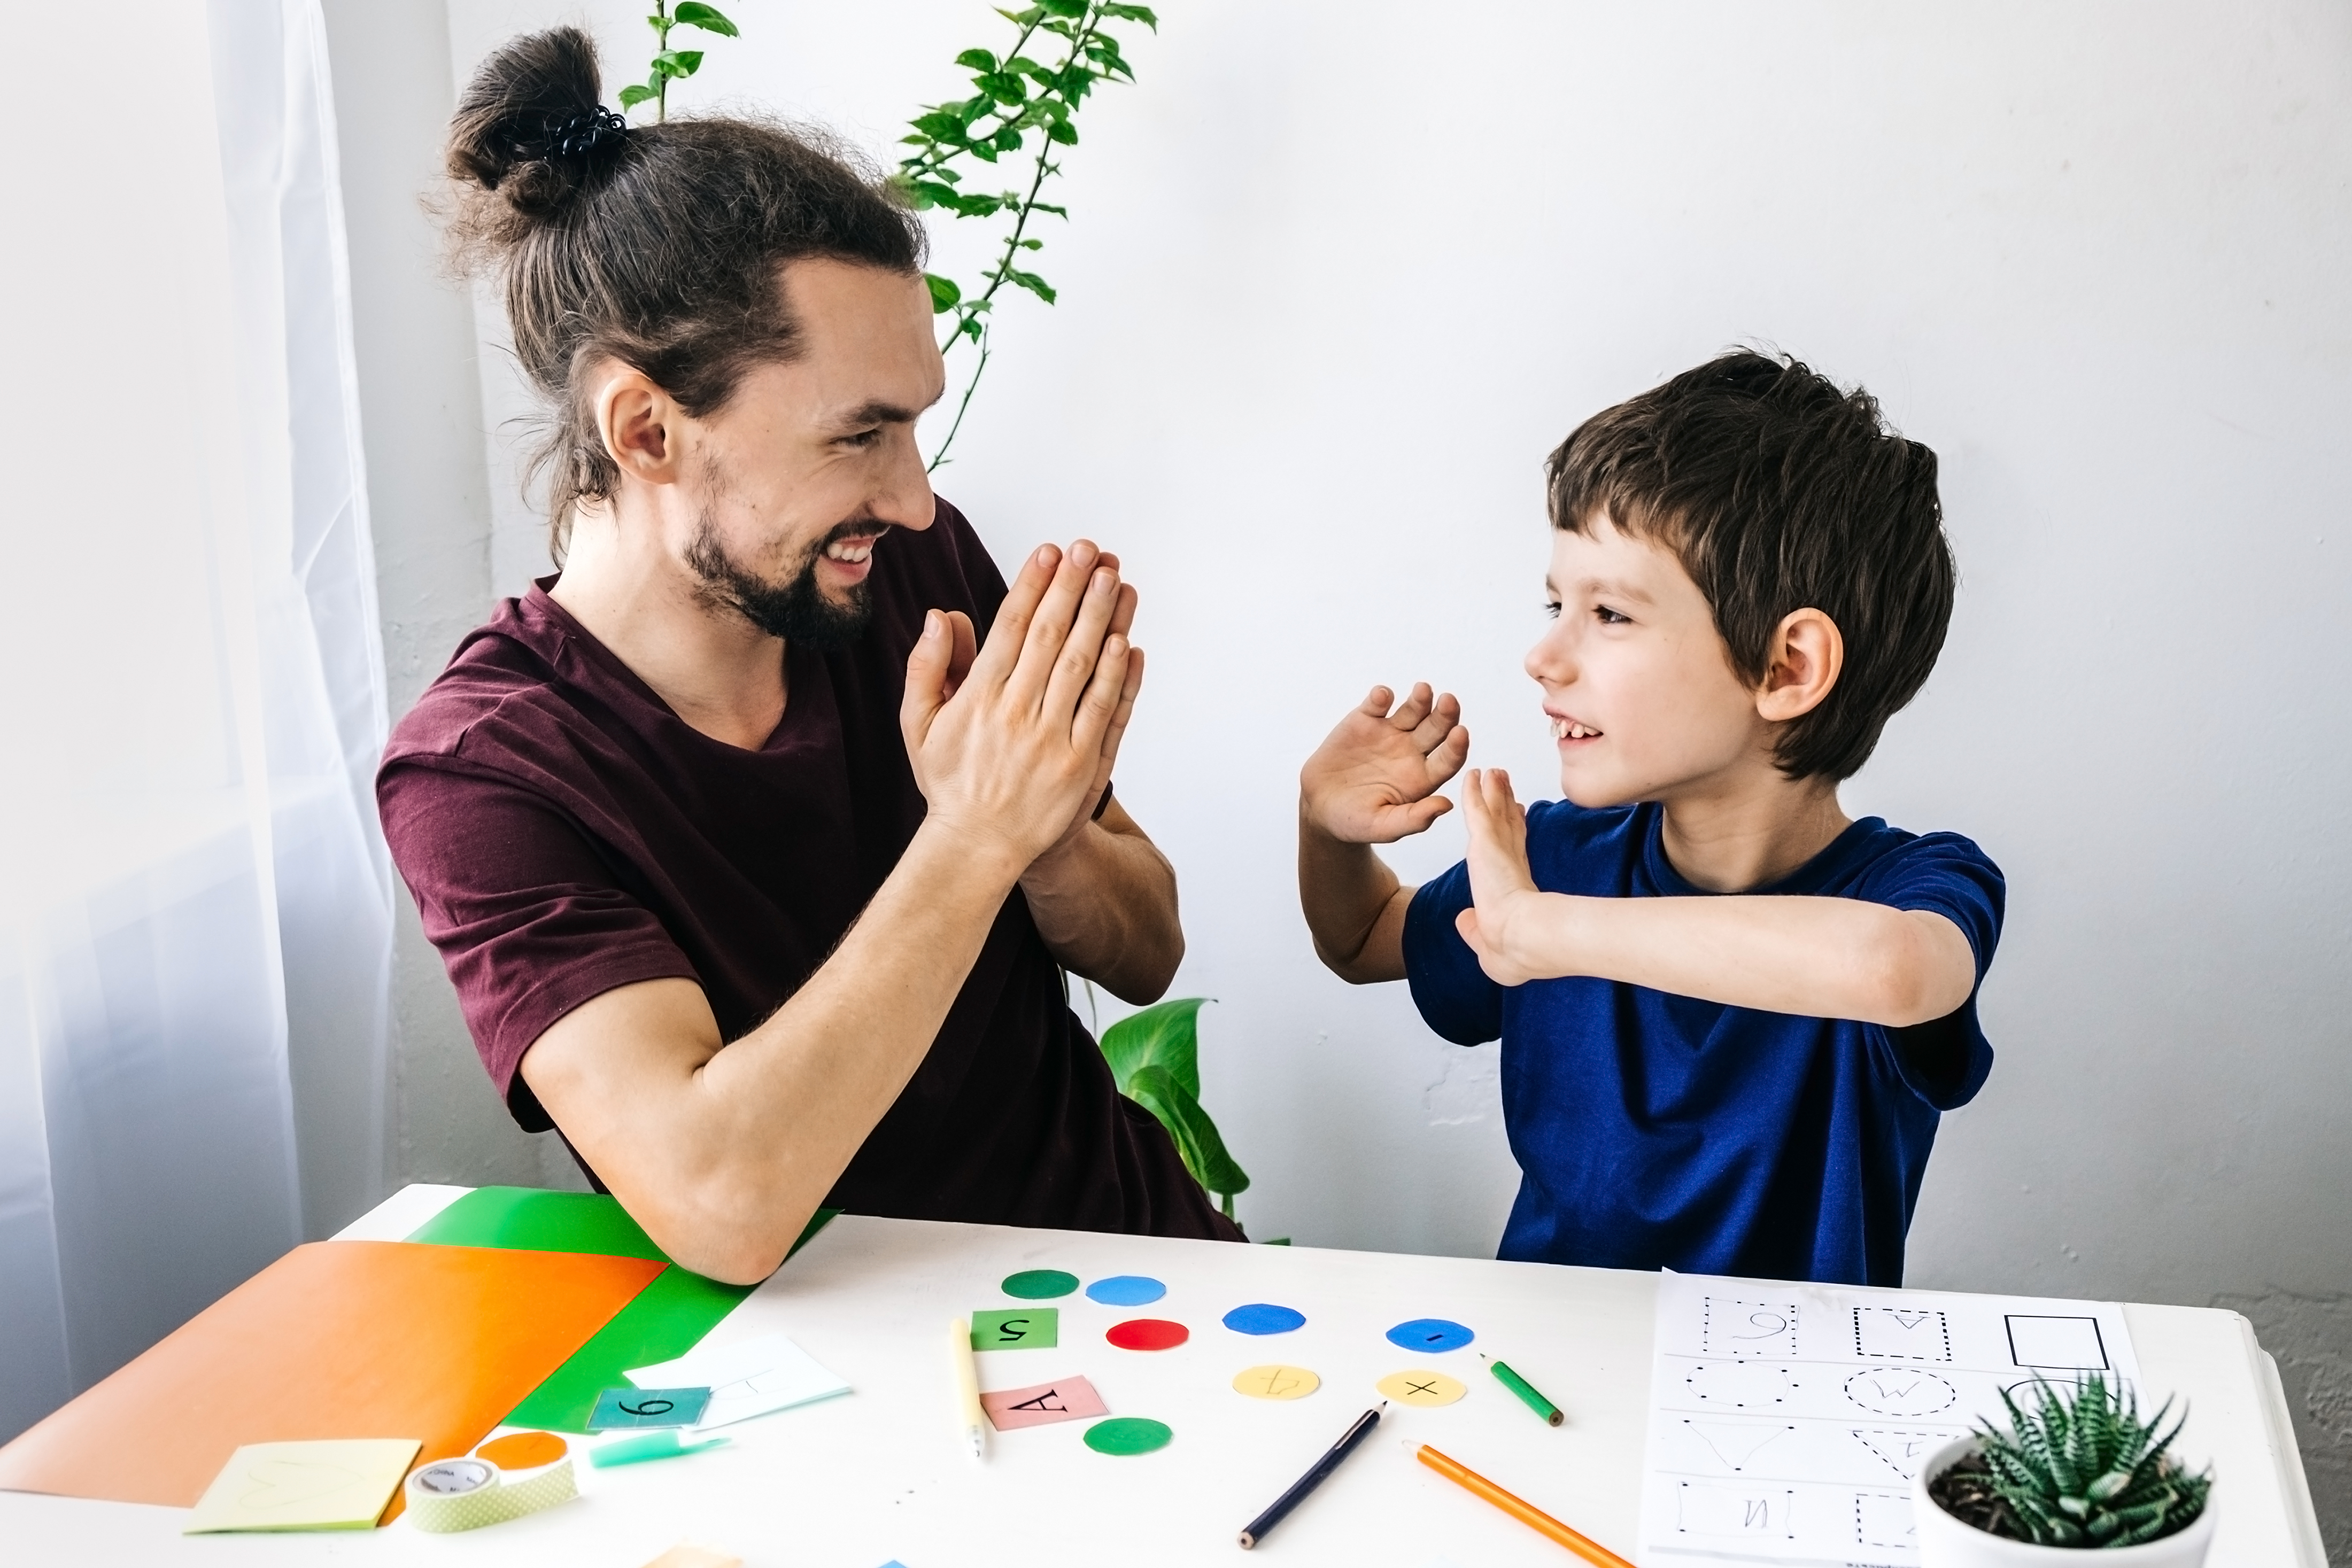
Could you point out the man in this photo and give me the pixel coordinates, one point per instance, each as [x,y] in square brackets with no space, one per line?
[748,945]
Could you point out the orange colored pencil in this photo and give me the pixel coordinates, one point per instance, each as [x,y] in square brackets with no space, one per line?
[1526,1513]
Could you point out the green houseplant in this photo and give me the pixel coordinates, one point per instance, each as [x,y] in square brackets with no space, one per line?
[1154,1057]
[2077,1469]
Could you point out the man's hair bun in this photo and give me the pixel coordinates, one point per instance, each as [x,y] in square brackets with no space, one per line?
[529,126]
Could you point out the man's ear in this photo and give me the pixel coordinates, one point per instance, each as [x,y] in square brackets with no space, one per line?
[638,423]
[1808,652]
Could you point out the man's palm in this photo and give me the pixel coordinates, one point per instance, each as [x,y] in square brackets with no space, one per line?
[1373,779]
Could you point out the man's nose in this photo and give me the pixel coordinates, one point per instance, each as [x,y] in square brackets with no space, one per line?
[904,496]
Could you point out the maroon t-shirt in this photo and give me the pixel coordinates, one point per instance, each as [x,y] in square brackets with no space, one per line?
[565,832]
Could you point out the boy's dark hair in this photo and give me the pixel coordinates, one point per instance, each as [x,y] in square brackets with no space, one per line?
[1778,492]
[658,245]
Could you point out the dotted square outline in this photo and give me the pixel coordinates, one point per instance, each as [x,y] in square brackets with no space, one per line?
[1943,1326]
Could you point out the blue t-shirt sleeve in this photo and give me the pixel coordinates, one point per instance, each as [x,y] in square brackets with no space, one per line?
[1948,875]
[1453,994]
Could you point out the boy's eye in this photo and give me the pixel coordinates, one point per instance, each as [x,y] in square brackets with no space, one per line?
[1551,608]
[1608,617]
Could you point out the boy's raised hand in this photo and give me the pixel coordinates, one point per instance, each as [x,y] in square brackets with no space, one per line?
[1504,900]
[1374,779]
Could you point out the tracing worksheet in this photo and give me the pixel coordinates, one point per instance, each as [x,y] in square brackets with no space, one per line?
[1787,1421]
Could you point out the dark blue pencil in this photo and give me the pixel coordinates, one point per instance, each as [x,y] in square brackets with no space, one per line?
[1255,1531]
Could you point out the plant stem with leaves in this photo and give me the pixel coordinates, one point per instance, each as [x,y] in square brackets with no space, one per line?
[1016,98]
[674,65]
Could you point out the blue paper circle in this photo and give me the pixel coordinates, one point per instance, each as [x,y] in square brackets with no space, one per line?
[1265,1317]
[1125,1290]
[1430,1334]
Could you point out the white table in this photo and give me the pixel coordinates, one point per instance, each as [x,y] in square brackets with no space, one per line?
[858,1481]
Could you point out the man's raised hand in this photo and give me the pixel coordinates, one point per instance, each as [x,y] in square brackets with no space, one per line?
[1012,744]
[1374,779]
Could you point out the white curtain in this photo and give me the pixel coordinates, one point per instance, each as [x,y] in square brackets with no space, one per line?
[196,905]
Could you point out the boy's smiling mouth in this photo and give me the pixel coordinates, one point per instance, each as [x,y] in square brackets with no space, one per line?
[1565,728]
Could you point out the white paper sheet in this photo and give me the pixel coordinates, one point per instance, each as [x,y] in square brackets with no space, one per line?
[1787,1421]
[747,1379]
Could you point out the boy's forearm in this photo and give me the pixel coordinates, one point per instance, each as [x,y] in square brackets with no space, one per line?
[1354,906]
[1812,956]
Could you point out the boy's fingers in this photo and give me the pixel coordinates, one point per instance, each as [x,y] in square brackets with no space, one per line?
[1421,813]
[1415,708]
[1377,702]
[1466,922]
[1446,760]
[1443,715]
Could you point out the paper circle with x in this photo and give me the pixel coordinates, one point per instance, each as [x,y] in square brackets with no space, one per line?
[1422,1388]
[1277,1382]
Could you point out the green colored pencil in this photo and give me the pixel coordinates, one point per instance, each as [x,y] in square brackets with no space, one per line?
[1527,1393]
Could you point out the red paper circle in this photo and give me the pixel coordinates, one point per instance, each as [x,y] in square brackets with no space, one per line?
[1149,1333]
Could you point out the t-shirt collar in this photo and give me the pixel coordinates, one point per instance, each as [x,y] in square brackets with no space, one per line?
[1824,870]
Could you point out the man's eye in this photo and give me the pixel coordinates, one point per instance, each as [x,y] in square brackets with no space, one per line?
[863,438]
[1608,617]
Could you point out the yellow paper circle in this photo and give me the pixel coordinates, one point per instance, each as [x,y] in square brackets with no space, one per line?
[1422,1388]
[1277,1382]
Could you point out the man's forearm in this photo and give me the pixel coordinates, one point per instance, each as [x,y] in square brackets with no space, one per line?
[1815,958]
[723,1155]
[1354,906]
[1105,902]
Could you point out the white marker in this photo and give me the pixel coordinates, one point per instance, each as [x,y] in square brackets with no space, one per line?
[967,1410]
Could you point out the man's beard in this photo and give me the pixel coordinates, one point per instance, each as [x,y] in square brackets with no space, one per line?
[797,611]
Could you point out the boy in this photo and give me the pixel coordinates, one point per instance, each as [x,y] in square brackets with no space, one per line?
[1730,1016]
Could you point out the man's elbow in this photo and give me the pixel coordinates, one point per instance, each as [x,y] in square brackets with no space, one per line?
[1144,977]
[713,1237]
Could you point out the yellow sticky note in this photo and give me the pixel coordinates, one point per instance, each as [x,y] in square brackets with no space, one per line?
[338,1484]
[1422,1388]
[1277,1382]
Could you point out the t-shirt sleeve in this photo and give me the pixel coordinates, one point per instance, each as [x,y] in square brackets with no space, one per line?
[530,919]
[1455,997]
[1945,1060]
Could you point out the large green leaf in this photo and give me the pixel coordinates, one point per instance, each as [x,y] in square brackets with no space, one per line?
[1165,1035]
[1154,1057]
[1197,1140]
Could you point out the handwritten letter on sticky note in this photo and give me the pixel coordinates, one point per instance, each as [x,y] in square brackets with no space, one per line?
[1024,1328]
[746,1379]
[1067,1400]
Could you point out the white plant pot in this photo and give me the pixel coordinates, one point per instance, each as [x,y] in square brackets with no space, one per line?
[1946,1542]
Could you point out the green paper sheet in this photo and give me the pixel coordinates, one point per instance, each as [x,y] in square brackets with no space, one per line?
[668,1319]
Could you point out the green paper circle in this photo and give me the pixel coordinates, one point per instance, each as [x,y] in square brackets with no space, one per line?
[1128,1435]
[1040,1284]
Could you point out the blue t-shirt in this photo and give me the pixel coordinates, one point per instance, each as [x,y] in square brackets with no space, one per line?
[1661,1131]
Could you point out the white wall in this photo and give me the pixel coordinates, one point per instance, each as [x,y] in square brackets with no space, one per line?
[1340,274]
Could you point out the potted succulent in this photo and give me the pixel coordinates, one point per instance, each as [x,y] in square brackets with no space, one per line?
[2079,1470]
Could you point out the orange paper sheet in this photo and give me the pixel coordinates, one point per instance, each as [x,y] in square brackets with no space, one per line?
[337,1338]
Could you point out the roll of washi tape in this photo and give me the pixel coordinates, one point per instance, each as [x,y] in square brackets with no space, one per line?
[466,1494]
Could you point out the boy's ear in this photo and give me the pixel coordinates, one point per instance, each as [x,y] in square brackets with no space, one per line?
[640,424]
[1808,652]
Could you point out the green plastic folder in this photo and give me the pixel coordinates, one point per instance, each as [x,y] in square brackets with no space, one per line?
[668,1318]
